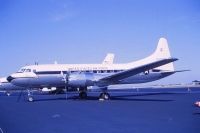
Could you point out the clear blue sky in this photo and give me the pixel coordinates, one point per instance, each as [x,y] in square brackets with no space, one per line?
[83,31]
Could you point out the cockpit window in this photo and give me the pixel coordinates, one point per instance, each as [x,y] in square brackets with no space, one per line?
[21,70]
[24,70]
[28,70]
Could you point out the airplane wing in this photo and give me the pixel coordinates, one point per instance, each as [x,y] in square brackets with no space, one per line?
[131,72]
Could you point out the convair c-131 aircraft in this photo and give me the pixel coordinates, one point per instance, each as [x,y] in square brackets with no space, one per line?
[81,76]
[8,87]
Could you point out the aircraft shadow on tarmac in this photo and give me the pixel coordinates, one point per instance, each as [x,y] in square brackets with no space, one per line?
[112,99]
[196,113]
[128,97]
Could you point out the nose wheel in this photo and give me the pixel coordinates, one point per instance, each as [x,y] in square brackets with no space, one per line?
[104,96]
[30,97]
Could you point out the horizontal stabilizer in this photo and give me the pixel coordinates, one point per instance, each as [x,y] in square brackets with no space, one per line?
[181,71]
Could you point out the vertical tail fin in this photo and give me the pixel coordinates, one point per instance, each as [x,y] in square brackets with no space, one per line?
[162,51]
[109,59]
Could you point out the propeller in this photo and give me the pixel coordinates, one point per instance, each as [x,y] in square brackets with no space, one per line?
[20,94]
[65,79]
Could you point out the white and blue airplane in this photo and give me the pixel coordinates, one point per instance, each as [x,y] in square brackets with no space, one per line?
[83,76]
[8,87]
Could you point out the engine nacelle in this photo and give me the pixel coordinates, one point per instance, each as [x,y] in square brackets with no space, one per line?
[80,79]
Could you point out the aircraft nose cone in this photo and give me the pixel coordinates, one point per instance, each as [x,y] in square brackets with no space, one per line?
[10,78]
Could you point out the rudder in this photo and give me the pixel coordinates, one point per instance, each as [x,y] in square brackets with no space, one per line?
[163,52]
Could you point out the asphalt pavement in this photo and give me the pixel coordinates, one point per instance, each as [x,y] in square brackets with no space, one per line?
[144,111]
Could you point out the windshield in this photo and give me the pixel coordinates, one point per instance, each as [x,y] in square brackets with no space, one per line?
[21,70]
[24,70]
[28,70]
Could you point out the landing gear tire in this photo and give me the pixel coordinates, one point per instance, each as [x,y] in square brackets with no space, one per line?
[104,96]
[83,95]
[8,93]
[30,99]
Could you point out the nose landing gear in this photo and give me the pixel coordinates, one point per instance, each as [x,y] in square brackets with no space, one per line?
[30,96]
[30,99]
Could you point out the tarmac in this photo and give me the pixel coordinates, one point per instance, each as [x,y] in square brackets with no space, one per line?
[133,111]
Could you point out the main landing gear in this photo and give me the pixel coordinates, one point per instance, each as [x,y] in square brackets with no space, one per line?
[104,96]
[82,95]
[82,92]
[8,93]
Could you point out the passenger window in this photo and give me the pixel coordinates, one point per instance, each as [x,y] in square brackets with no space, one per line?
[94,71]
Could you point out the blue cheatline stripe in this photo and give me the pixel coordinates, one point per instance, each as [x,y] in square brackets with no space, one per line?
[65,72]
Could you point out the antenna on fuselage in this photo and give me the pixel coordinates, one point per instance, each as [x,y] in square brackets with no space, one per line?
[65,79]
[36,63]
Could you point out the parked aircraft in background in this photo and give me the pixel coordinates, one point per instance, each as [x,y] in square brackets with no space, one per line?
[81,76]
[8,87]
